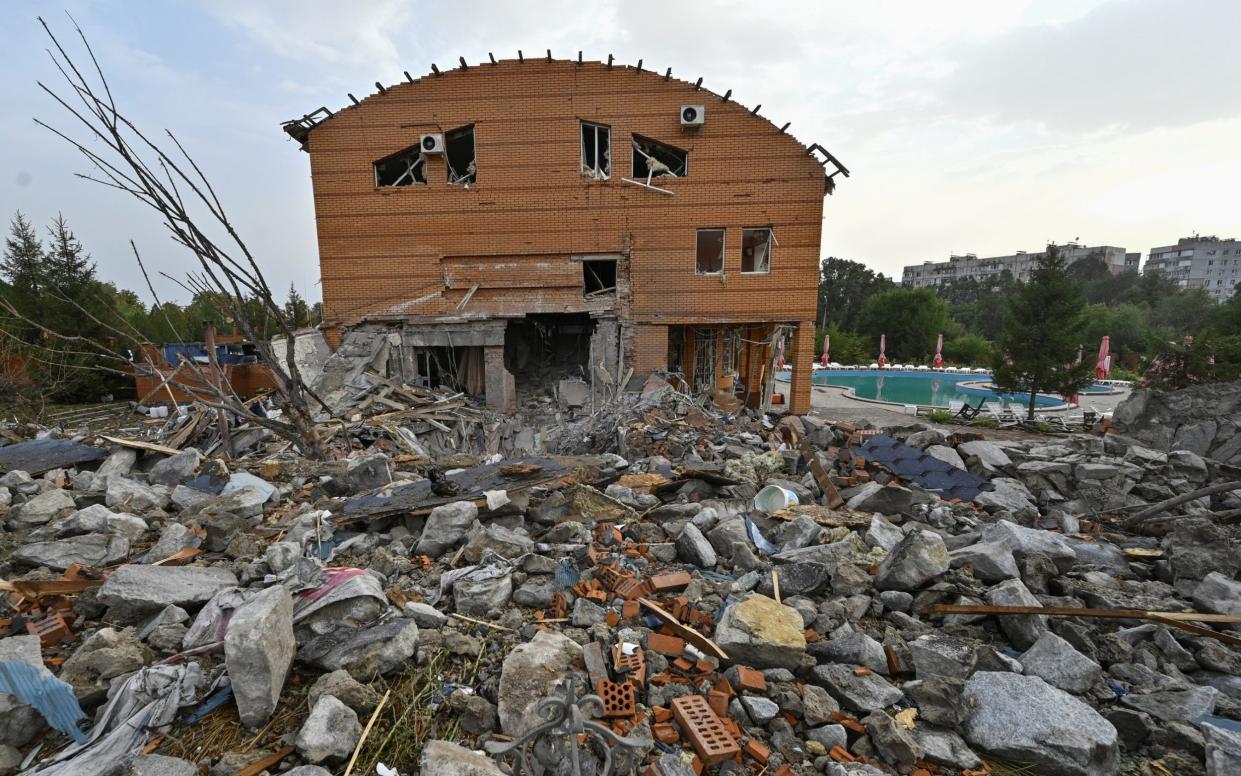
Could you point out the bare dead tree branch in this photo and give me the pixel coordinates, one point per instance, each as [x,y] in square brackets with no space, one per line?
[172,184]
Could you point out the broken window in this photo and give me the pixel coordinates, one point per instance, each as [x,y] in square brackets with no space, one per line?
[710,251]
[459,148]
[652,158]
[599,276]
[404,168]
[596,151]
[756,250]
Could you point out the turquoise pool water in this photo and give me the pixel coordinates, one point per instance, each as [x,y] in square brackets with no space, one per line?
[928,388]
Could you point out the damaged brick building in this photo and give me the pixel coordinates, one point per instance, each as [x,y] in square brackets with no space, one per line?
[525,220]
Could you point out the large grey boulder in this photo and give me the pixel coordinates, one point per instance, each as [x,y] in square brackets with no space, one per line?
[446,528]
[89,550]
[759,632]
[364,652]
[693,546]
[1056,662]
[1187,705]
[97,518]
[258,651]
[991,561]
[1223,749]
[887,499]
[530,673]
[175,469]
[493,537]
[103,656]
[368,473]
[330,733]
[119,464]
[1200,545]
[41,509]
[854,647]
[144,590]
[444,758]
[938,654]
[133,496]
[984,456]
[1026,541]
[482,594]
[160,765]
[1008,495]
[920,557]
[1022,629]
[1026,720]
[863,694]
[1217,593]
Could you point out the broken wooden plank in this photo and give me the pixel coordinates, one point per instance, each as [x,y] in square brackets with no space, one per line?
[1183,620]
[820,475]
[138,444]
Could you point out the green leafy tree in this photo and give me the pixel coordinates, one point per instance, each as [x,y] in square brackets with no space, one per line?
[1042,334]
[911,318]
[846,347]
[844,287]
[968,350]
[68,265]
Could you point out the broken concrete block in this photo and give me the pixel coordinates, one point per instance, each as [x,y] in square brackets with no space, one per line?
[258,651]
[137,591]
[759,632]
[529,674]
[920,557]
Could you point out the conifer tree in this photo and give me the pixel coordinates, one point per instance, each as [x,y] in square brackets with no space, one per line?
[22,261]
[68,264]
[1041,334]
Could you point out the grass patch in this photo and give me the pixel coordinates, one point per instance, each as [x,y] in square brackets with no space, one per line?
[408,720]
[220,731]
[986,423]
[940,416]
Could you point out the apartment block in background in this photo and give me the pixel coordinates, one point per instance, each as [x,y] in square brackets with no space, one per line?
[1210,263]
[1020,264]
[515,222]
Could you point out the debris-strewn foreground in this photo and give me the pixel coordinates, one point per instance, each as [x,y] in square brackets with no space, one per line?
[390,612]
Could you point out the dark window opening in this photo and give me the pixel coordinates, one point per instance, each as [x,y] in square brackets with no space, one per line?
[710,254]
[756,250]
[599,276]
[459,148]
[404,168]
[652,158]
[596,151]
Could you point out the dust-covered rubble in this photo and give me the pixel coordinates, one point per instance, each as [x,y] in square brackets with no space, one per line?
[878,623]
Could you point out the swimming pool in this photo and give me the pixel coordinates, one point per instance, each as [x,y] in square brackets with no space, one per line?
[925,388]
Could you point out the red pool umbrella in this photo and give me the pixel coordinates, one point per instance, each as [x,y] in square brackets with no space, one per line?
[1104,365]
[827,347]
[939,353]
[883,342]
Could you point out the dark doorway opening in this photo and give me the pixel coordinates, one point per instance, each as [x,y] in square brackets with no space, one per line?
[543,349]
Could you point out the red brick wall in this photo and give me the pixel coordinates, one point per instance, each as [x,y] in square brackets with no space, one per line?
[392,250]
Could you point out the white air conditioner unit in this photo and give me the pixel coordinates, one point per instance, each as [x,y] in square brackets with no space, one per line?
[693,115]
[432,143]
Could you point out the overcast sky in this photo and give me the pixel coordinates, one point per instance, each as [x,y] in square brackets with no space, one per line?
[983,127]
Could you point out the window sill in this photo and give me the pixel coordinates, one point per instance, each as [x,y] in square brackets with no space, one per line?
[757,272]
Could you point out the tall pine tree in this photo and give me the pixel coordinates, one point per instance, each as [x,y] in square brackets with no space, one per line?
[22,262]
[69,266]
[296,309]
[1041,334]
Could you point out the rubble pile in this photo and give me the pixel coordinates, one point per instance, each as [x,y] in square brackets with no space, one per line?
[741,593]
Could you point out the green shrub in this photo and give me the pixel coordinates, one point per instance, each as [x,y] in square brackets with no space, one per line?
[939,416]
[1120,373]
[986,423]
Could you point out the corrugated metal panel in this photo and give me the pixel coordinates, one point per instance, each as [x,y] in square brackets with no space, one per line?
[35,686]
[910,463]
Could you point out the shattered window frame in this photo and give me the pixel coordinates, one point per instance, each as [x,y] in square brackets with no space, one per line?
[747,235]
[675,159]
[451,137]
[415,171]
[591,170]
[602,290]
[698,249]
